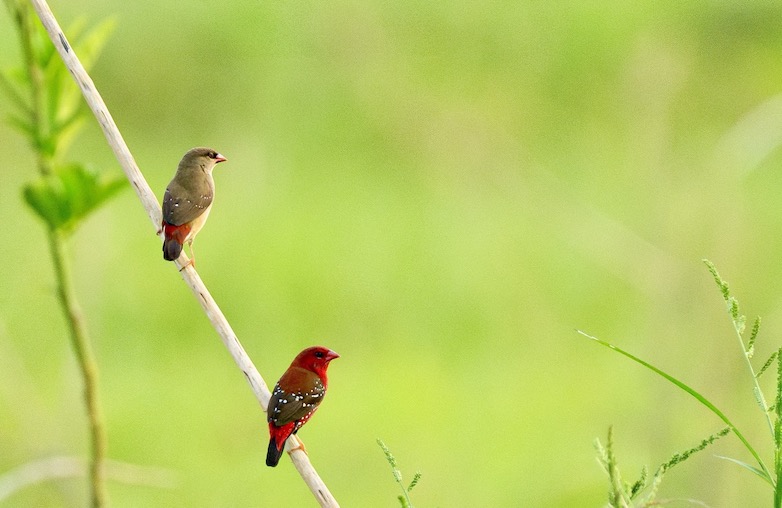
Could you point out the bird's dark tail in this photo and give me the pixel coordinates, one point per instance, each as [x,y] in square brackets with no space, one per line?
[171,249]
[173,239]
[274,454]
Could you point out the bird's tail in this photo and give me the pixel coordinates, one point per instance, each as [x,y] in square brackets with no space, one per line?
[174,238]
[274,453]
[171,249]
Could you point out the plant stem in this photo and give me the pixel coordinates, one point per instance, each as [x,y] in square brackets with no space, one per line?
[739,324]
[87,365]
[758,392]
[73,315]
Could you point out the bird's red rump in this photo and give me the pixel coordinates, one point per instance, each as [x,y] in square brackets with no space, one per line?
[281,434]
[177,233]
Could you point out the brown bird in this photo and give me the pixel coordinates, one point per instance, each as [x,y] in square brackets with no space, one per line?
[188,200]
[296,396]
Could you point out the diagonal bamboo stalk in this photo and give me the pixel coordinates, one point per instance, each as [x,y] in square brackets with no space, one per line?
[149,201]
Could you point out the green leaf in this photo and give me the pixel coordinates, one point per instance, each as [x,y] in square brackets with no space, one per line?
[69,194]
[91,44]
[65,123]
[746,466]
[67,132]
[12,92]
[47,199]
[22,126]
[88,46]
[43,49]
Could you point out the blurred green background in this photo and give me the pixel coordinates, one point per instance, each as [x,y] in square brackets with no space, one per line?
[442,192]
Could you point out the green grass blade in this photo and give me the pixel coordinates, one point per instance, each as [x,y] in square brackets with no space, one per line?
[746,466]
[765,473]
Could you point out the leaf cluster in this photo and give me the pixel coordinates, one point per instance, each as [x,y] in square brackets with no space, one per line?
[69,194]
[49,112]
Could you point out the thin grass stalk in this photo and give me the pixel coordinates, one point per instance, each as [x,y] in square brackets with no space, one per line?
[756,389]
[738,327]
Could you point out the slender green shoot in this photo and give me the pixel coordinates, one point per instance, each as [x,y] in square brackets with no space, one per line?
[739,322]
[404,498]
[618,494]
[776,425]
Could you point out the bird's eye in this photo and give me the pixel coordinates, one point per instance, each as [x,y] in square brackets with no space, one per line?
[212,155]
[319,354]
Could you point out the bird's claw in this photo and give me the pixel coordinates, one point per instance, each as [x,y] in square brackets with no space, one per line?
[299,447]
[190,262]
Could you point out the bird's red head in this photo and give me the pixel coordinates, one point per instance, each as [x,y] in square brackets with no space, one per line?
[315,359]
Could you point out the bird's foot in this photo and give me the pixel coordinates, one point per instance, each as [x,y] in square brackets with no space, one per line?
[299,447]
[191,262]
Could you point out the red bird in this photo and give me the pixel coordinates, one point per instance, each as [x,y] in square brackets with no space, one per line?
[296,396]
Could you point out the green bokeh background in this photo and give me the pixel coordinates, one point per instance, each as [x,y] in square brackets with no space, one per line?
[442,192]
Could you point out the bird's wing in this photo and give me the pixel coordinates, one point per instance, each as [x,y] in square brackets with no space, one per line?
[296,408]
[178,210]
[295,397]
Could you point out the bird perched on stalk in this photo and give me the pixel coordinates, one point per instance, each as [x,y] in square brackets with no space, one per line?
[188,200]
[296,396]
